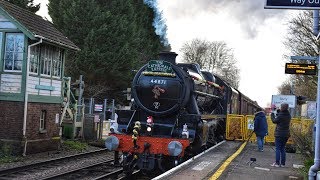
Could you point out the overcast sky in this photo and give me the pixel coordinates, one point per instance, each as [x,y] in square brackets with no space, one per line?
[255,34]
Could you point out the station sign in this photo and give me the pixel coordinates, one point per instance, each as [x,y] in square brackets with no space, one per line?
[277,100]
[98,107]
[304,69]
[292,4]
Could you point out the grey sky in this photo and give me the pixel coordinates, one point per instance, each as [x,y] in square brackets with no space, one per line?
[249,13]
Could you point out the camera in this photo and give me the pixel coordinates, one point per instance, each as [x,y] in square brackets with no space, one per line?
[275,111]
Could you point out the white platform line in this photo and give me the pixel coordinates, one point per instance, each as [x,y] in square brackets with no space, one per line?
[187,162]
[264,169]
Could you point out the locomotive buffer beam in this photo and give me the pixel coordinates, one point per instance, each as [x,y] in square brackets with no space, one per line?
[206,94]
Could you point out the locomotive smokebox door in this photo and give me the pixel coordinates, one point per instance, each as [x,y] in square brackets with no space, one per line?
[160,88]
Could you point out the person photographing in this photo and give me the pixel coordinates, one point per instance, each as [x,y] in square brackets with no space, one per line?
[282,133]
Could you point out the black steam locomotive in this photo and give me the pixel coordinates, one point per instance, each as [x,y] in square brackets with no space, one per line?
[178,110]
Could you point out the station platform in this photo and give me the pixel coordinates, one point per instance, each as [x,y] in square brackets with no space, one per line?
[231,160]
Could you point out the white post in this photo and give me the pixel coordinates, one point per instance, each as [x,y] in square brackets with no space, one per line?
[315,167]
[24,131]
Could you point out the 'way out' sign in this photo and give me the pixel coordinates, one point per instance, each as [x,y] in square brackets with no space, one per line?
[292,4]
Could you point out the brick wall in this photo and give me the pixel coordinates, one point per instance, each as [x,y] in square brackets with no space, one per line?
[33,122]
[11,120]
[42,141]
[11,126]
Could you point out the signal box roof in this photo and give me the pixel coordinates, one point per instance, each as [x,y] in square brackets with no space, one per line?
[35,26]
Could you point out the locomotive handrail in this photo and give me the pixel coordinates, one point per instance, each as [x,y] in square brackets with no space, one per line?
[174,125]
[134,112]
[147,73]
[206,94]
[205,81]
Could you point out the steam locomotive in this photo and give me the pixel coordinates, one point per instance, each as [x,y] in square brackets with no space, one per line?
[178,110]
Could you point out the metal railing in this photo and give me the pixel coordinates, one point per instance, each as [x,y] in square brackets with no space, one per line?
[240,127]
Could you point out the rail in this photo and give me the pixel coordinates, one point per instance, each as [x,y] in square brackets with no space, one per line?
[52,163]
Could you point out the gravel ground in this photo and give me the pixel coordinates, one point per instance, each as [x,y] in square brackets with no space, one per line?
[33,158]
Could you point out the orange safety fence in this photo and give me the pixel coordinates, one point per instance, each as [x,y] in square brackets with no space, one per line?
[239,127]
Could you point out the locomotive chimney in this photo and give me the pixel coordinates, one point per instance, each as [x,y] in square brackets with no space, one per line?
[168,56]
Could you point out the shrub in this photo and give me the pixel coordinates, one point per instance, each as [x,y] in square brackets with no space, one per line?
[304,144]
[303,141]
[6,150]
[6,153]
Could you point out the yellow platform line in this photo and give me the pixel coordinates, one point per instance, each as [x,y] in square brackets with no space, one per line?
[223,167]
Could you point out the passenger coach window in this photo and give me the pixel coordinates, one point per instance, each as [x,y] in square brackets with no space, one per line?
[13,54]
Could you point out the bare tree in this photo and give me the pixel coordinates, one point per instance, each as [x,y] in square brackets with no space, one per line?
[302,42]
[215,57]
[195,51]
[285,88]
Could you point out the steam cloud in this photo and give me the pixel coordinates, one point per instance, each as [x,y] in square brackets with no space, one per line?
[250,13]
[158,22]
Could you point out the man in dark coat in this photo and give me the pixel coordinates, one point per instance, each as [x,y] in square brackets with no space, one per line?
[260,128]
[282,133]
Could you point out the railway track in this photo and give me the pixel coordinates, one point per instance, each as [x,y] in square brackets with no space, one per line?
[50,168]
[94,165]
[99,170]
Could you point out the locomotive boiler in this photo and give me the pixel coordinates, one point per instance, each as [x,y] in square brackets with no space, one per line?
[177,111]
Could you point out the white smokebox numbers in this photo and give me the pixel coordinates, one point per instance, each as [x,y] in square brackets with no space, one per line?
[158,81]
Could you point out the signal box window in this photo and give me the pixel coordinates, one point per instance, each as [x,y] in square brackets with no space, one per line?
[43,117]
[13,54]
[34,59]
[51,60]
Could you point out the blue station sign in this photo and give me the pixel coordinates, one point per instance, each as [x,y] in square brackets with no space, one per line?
[292,4]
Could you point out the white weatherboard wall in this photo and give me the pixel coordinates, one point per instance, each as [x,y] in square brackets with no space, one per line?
[10,83]
[32,82]
[45,82]
[57,87]
[36,81]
